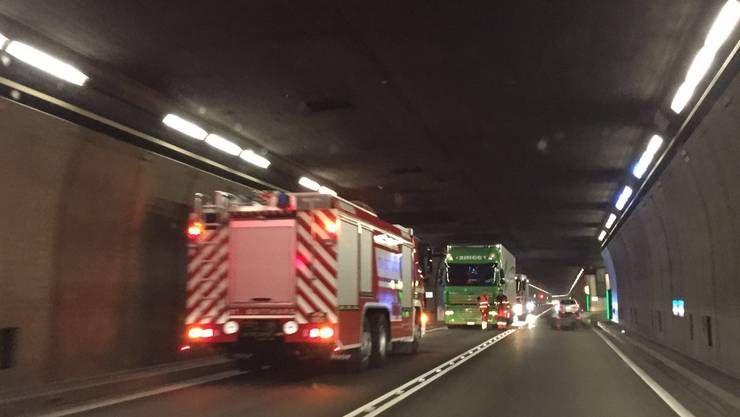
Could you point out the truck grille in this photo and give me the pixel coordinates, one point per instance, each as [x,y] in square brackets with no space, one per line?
[453,298]
[469,314]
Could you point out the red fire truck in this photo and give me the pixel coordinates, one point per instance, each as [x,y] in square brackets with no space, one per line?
[304,275]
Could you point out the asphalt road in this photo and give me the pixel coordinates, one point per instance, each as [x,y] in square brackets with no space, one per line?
[532,372]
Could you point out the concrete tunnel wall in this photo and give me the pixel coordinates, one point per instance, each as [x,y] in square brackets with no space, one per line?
[92,259]
[683,241]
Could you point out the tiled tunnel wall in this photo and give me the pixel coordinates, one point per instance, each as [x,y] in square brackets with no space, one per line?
[683,242]
[92,259]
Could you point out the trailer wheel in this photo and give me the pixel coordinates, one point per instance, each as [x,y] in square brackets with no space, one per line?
[379,351]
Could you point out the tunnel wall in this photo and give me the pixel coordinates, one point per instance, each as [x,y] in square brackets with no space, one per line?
[682,242]
[92,260]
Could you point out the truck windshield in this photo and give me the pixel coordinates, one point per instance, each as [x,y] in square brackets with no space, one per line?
[473,275]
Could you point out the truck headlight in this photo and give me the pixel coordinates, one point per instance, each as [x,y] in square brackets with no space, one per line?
[517,309]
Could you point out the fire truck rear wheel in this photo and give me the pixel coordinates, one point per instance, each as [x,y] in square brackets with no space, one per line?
[417,339]
[380,344]
[360,359]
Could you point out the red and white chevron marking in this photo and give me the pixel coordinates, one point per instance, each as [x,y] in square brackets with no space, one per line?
[206,286]
[316,267]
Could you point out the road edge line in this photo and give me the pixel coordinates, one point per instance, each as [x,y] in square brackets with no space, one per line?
[661,392]
[143,394]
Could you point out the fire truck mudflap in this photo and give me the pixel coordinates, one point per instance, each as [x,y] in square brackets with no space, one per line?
[302,275]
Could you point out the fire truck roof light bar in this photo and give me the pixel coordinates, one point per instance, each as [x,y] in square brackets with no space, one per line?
[45,62]
[185,126]
[723,26]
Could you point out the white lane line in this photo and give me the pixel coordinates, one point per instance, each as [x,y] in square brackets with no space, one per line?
[687,373]
[669,399]
[436,329]
[391,398]
[382,403]
[144,394]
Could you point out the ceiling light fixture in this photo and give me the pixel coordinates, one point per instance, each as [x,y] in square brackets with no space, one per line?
[721,29]
[602,235]
[254,159]
[309,183]
[610,221]
[647,156]
[580,272]
[223,144]
[186,127]
[539,289]
[327,190]
[46,62]
[623,197]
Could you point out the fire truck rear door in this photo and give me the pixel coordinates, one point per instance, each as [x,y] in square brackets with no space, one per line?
[262,261]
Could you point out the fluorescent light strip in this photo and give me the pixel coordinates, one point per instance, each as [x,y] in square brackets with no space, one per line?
[327,190]
[184,126]
[223,144]
[309,183]
[623,197]
[723,26]
[540,289]
[46,62]
[647,156]
[610,221]
[572,285]
[3,41]
[254,159]
[602,235]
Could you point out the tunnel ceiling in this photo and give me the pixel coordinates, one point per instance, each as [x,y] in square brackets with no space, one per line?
[474,121]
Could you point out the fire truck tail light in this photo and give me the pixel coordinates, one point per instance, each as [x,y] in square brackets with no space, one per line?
[195,230]
[200,333]
[313,333]
[326,333]
[331,227]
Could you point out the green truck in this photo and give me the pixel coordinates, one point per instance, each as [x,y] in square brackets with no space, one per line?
[471,270]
